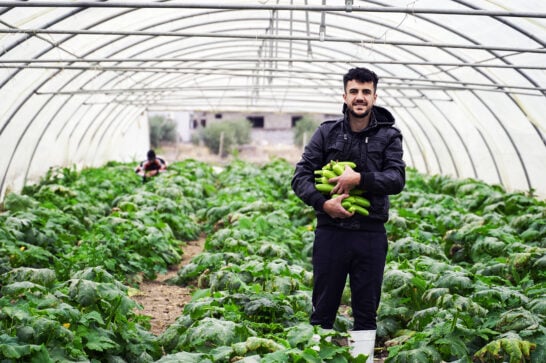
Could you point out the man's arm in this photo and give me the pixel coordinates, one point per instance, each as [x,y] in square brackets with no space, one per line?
[392,178]
[162,164]
[140,169]
[303,182]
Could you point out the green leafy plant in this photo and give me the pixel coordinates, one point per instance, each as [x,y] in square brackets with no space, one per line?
[304,129]
[226,135]
[162,129]
[464,278]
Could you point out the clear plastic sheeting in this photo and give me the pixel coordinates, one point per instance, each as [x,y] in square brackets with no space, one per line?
[465,80]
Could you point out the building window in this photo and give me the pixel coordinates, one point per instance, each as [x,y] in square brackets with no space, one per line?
[257,121]
[218,116]
[295,119]
[203,122]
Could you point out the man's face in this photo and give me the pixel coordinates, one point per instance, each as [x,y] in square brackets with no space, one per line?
[359,97]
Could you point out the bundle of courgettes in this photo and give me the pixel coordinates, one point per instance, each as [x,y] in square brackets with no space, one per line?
[354,202]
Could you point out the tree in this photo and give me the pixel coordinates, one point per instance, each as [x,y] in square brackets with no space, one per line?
[304,127]
[161,129]
[228,133]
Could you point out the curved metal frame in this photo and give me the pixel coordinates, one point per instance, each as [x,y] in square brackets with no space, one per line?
[335,65]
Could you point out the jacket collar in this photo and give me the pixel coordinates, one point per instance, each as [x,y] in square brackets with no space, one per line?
[380,117]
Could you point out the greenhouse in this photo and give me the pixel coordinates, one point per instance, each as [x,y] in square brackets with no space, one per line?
[80,233]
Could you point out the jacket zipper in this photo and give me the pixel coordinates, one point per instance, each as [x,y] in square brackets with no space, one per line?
[366,147]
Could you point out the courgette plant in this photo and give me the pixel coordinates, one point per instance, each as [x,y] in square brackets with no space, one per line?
[465,278]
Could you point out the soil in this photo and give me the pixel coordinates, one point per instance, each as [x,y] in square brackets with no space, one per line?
[164,302]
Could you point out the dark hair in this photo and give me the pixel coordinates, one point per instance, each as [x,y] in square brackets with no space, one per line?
[151,154]
[362,75]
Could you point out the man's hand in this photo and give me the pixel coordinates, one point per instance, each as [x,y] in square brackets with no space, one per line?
[346,181]
[334,209]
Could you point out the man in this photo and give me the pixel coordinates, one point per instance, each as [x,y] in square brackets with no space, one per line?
[350,243]
[151,167]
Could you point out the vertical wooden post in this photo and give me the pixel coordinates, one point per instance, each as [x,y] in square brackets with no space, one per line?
[221,144]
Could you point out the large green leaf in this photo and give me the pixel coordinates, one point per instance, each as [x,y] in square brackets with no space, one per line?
[210,333]
[185,357]
[507,346]
[42,276]
[11,349]
[100,340]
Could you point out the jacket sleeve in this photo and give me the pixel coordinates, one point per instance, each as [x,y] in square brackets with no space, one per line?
[162,164]
[392,178]
[303,181]
[139,168]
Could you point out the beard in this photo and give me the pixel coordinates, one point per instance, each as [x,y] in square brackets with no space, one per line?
[359,115]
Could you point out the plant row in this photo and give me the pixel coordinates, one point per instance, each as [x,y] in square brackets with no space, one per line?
[465,278]
[71,247]
[466,274]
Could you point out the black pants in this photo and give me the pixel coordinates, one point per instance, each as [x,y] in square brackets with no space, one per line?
[338,253]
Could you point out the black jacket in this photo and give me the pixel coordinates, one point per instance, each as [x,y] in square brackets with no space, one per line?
[377,152]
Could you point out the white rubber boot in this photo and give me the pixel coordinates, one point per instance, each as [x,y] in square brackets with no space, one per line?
[362,342]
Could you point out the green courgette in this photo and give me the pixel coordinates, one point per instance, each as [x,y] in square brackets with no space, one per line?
[324,188]
[358,209]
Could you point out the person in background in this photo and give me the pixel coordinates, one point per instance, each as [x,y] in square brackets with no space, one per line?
[352,244]
[151,167]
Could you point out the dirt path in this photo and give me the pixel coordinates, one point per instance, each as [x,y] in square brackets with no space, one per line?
[164,302]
